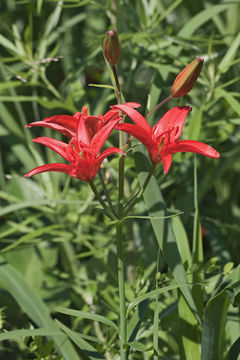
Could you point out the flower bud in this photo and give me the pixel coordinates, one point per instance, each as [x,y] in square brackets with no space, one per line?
[111,47]
[187,78]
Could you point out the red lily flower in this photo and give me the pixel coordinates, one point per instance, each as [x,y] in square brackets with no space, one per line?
[88,134]
[162,141]
[67,124]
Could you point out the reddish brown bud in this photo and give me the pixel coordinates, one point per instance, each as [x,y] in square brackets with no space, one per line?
[111,47]
[187,78]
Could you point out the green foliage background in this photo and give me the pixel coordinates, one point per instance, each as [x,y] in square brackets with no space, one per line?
[56,249]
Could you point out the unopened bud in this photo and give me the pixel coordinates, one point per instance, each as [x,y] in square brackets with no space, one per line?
[111,47]
[186,79]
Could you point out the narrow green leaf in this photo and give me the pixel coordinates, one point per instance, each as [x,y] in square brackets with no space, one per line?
[24,156]
[33,306]
[227,60]
[152,295]
[182,239]
[87,315]
[53,18]
[32,235]
[39,6]
[197,251]
[163,229]
[136,345]
[214,327]
[18,98]
[234,350]
[51,23]
[170,9]
[18,41]
[22,205]
[8,44]
[229,98]
[16,227]
[189,331]
[136,320]
[213,337]
[143,217]
[195,124]
[90,351]
[189,327]
[105,86]
[152,217]
[10,84]
[9,122]
[201,18]
[72,21]
[16,334]
[55,104]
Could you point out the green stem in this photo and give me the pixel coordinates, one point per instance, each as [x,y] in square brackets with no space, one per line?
[196,215]
[121,186]
[141,191]
[119,233]
[121,287]
[118,90]
[48,83]
[106,193]
[109,213]
[156,314]
[159,105]
[197,251]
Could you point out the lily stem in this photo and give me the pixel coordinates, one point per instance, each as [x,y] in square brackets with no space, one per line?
[121,288]
[118,90]
[119,235]
[159,105]
[156,313]
[141,191]
[101,201]
[106,193]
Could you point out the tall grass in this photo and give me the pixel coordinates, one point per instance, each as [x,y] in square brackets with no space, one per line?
[58,284]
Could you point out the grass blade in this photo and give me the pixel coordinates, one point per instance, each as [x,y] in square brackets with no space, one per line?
[88,349]
[234,350]
[33,306]
[16,334]
[226,62]
[87,315]
[200,19]
[213,337]
[163,229]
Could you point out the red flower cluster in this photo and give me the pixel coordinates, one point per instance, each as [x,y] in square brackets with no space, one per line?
[88,133]
[162,141]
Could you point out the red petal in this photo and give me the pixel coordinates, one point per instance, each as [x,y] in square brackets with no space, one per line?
[173,118]
[137,131]
[101,136]
[132,104]
[110,115]
[67,121]
[58,146]
[106,153]
[49,167]
[61,129]
[166,160]
[92,125]
[82,131]
[194,146]
[136,117]
[113,112]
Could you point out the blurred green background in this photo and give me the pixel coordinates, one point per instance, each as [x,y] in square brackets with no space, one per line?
[50,233]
